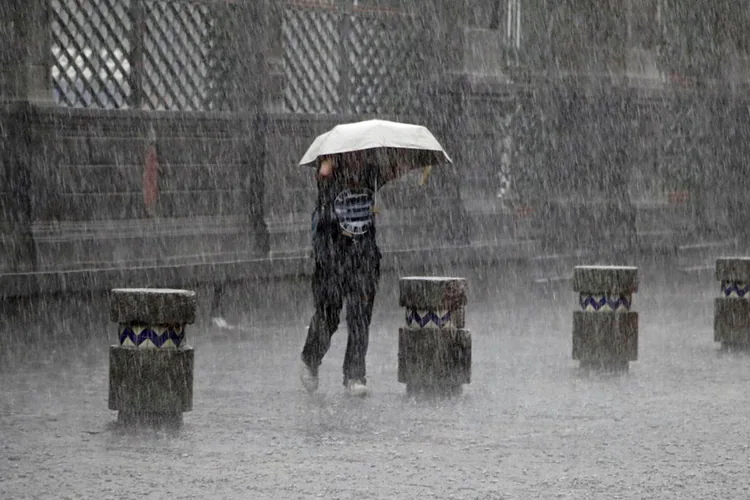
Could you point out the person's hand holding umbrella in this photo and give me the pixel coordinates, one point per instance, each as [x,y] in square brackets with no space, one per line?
[326,167]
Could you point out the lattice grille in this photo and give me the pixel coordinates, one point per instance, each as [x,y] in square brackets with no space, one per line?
[339,62]
[312,60]
[383,57]
[177,48]
[90,48]
[153,54]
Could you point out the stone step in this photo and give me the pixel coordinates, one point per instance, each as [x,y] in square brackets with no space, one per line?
[117,244]
[700,257]
[99,228]
[550,269]
[665,240]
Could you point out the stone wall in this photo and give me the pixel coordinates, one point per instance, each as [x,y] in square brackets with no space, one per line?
[87,177]
[595,167]
[569,156]
[570,169]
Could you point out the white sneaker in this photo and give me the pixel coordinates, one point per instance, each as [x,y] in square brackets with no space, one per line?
[356,388]
[308,377]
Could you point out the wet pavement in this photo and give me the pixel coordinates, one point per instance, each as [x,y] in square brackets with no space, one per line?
[530,425]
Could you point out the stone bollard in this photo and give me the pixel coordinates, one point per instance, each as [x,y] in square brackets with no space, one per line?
[732,308]
[151,368]
[434,349]
[605,330]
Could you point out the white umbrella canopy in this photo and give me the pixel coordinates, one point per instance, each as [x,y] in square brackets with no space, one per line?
[411,140]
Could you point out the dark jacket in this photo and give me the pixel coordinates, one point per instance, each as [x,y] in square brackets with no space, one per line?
[329,239]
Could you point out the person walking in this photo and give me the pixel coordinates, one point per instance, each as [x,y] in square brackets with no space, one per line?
[352,161]
[347,265]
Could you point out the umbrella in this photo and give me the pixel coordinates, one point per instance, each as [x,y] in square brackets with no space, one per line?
[396,147]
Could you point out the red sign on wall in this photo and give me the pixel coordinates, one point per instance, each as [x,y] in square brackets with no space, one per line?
[678,197]
[525,211]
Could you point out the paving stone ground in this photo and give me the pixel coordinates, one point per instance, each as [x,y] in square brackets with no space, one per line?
[530,425]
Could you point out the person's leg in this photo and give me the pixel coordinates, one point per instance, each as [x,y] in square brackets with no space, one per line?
[360,297]
[328,299]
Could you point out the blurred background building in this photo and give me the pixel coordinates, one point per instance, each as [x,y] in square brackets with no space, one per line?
[137,133]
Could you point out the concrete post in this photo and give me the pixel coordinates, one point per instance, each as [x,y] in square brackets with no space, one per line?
[151,367]
[732,307]
[605,329]
[434,349]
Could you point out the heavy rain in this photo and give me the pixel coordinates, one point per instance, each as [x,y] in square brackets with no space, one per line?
[556,303]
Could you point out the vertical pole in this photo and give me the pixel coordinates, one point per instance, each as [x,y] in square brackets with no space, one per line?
[27,51]
[10,56]
[449,94]
[243,43]
[25,84]
[17,155]
[137,68]
[346,105]
[37,41]
[517,4]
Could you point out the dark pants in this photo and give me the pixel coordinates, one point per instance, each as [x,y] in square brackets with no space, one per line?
[351,275]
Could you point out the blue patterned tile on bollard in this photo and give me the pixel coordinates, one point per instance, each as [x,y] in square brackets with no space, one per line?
[152,337]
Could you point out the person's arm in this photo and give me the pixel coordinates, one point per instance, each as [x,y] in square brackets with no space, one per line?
[399,169]
[324,177]
[426,171]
